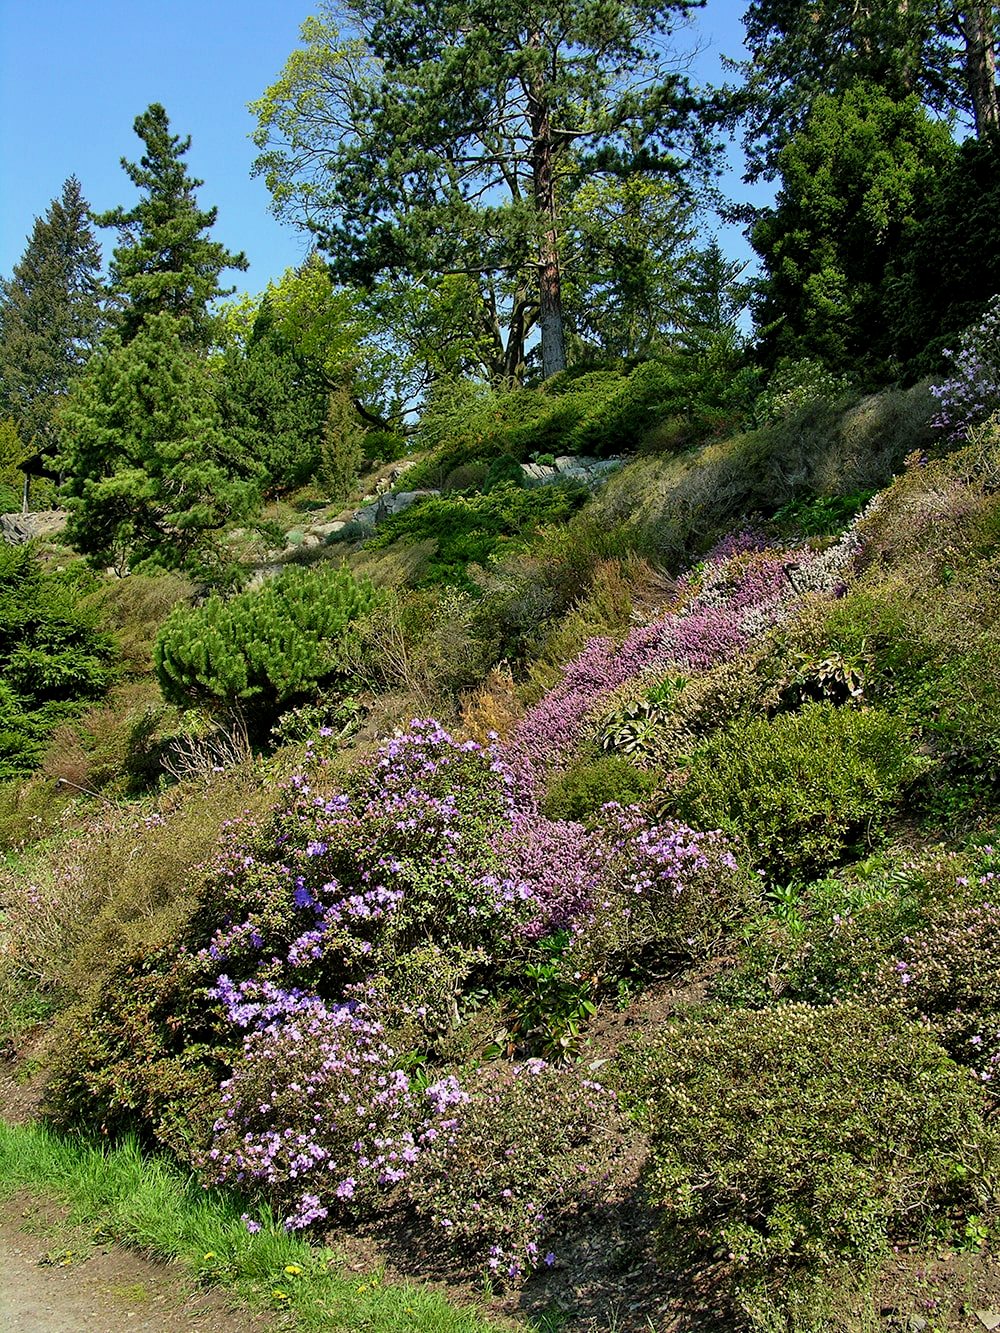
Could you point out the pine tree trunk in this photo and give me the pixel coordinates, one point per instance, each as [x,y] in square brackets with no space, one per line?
[978,30]
[550,316]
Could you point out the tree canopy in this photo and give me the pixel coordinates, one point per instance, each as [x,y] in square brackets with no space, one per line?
[942,53]
[445,139]
[165,262]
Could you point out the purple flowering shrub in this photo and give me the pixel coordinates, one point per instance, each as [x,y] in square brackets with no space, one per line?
[318,1116]
[665,889]
[629,884]
[728,603]
[530,1143]
[972,391]
[337,885]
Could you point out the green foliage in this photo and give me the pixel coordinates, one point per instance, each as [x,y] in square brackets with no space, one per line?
[164,263]
[273,400]
[853,179]
[949,265]
[263,650]
[946,977]
[831,939]
[580,792]
[821,515]
[503,471]
[53,658]
[549,1007]
[796,1140]
[152,474]
[415,95]
[531,1144]
[470,529]
[795,54]
[794,385]
[50,318]
[342,447]
[804,788]
[654,390]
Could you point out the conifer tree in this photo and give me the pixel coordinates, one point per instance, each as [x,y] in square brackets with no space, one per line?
[152,473]
[165,262]
[50,318]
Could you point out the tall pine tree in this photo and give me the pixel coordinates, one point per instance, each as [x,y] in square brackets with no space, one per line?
[165,262]
[152,473]
[50,318]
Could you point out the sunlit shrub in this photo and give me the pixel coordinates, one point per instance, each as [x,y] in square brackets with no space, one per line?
[793,1140]
[801,789]
[530,1144]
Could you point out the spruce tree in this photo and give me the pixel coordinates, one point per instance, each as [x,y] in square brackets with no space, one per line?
[152,473]
[50,318]
[165,262]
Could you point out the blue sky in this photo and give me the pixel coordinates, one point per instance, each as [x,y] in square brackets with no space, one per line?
[74,74]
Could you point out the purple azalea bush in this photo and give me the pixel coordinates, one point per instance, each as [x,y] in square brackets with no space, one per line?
[972,391]
[317,1113]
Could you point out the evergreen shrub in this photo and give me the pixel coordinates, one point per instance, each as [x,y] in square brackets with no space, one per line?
[53,657]
[261,650]
[801,789]
[583,788]
[470,529]
[795,1139]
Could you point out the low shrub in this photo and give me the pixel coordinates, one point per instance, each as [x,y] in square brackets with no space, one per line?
[830,939]
[471,529]
[947,977]
[794,1140]
[796,384]
[317,1115]
[972,391]
[530,1144]
[803,789]
[260,651]
[652,392]
[586,785]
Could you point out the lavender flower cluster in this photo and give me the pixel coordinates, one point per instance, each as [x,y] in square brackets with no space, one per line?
[317,1113]
[972,391]
[735,596]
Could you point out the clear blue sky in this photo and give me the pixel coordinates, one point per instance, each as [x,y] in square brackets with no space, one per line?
[74,74]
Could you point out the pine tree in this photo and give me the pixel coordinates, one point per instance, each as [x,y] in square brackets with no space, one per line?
[50,318]
[165,262]
[152,473]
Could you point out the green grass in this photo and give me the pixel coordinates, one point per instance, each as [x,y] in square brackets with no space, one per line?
[149,1205]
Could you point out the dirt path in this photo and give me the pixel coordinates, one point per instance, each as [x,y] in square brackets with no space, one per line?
[46,1286]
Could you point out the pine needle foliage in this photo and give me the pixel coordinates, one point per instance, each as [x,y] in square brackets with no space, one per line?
[263,649]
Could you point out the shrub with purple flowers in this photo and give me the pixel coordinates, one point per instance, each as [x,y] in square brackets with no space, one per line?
[972,392]
[730,602]
[666,890]
[948,977]
[341,884]
[318,1116]
[531,1143]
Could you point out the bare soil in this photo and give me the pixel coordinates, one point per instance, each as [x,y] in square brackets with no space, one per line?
[55,1279]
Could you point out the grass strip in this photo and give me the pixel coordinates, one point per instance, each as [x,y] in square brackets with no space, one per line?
[148,1204]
